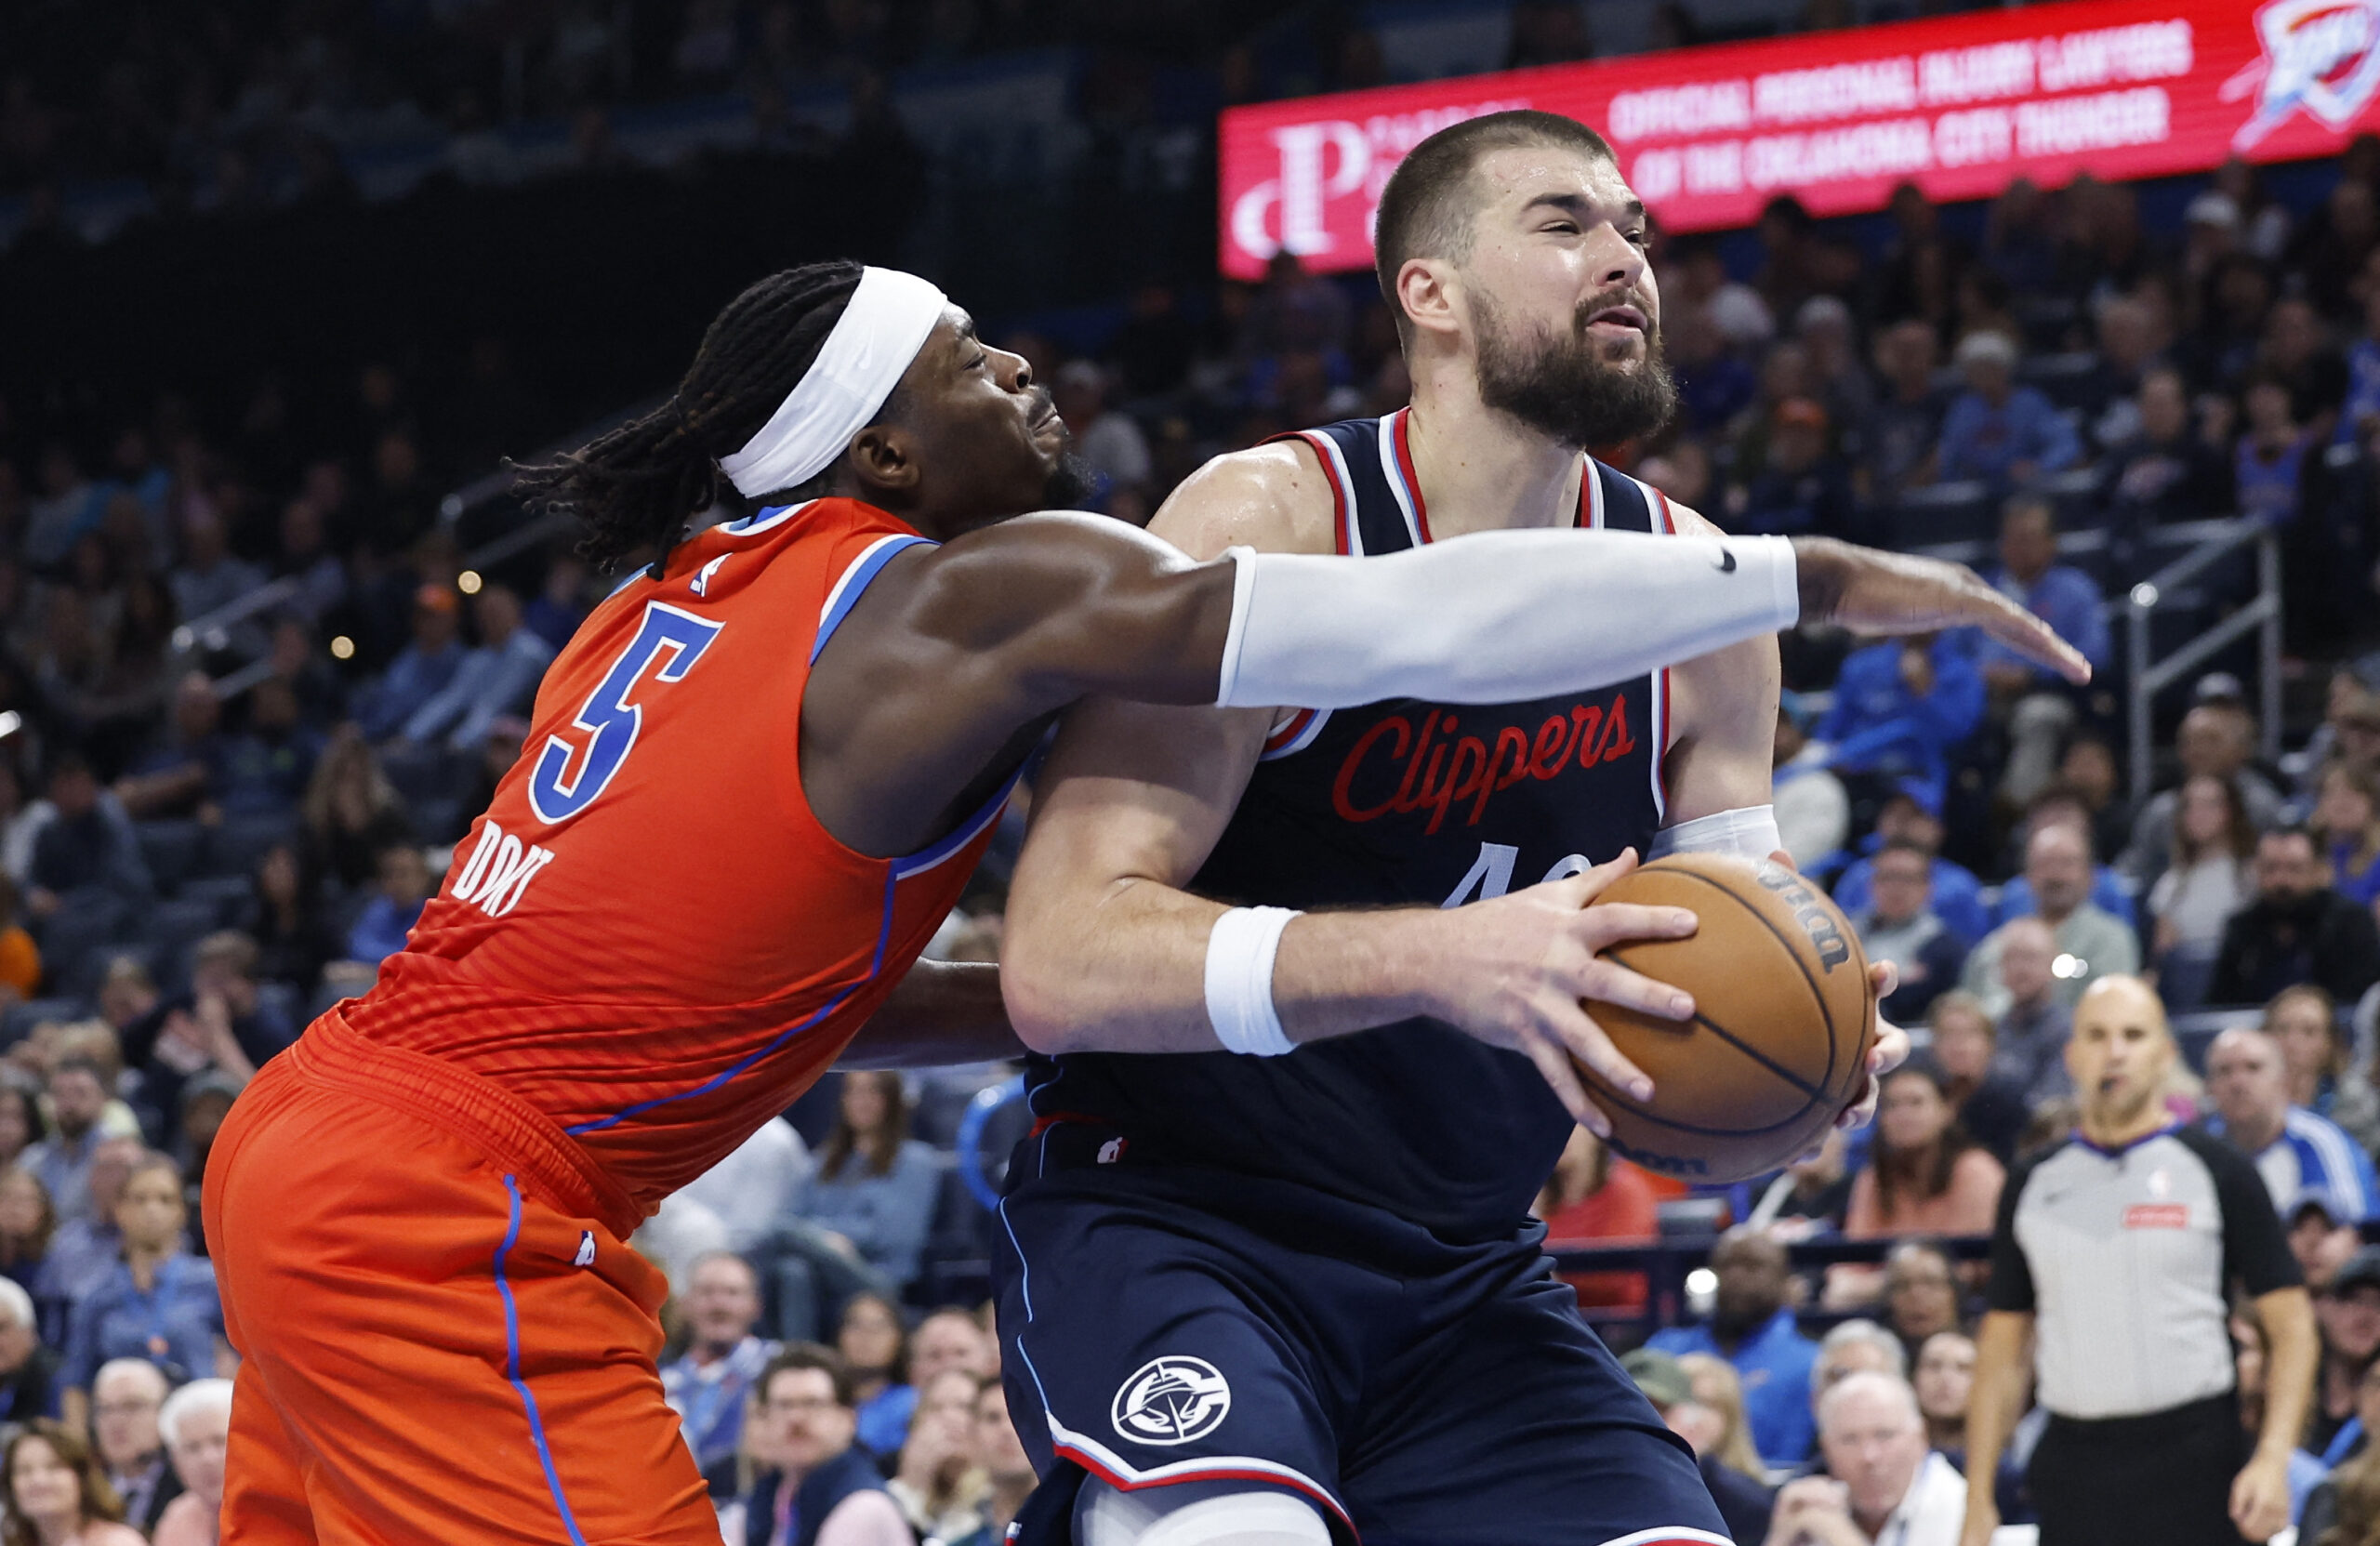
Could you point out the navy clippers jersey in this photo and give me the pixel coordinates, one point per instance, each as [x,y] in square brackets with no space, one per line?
[1400,801]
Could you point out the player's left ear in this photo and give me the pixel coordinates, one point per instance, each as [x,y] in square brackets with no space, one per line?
[884,456]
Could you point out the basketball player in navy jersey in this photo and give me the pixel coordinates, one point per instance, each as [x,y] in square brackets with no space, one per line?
[1252,1299]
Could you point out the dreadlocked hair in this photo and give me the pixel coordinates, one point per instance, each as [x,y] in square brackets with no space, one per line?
[634,487]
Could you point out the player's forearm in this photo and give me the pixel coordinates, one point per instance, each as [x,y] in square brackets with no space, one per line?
[1128,972]
[1500,618]
[942,1012]
[2292,1357]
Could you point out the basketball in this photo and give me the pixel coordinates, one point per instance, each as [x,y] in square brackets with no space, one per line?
[1781,1028]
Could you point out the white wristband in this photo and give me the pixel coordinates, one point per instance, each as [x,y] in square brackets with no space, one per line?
[1748,832]
[1239,981]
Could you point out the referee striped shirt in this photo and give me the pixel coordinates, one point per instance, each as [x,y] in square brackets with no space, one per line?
[2123,1256]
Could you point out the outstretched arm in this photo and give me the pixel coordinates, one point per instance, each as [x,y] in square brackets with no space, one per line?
[952,650]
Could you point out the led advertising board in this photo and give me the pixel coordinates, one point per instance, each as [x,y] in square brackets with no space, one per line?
[1960,106]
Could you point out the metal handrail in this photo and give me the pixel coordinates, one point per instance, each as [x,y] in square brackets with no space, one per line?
[2149,677]
[212,630]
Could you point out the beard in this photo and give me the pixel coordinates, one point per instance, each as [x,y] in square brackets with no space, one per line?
[1071,482]
[1563,389]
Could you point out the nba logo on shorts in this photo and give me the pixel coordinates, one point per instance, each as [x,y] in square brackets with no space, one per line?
[1172,1400]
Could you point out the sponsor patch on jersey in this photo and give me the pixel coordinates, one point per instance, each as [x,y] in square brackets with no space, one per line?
[2157,1215]
[1172,1400]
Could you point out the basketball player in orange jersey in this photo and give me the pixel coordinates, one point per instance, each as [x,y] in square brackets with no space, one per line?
[1292,1296]
[755,782]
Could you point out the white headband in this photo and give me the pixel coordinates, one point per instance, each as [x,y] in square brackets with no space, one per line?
[881,331]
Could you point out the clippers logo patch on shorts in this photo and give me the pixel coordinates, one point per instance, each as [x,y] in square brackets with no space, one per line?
[2157,1215]
[1172,1400]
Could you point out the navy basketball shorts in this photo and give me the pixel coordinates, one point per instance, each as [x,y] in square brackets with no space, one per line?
[1165,1325]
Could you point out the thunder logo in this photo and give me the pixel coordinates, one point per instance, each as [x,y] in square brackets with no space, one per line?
[2318,56]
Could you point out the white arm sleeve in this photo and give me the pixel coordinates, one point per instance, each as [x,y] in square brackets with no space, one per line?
[1494,617]
[1748,832]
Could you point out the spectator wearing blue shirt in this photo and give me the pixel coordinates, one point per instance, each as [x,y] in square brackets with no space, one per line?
[2110,893]
[2034,704]
[1997,431]
[1911,814]
[875,1185]
[865,1221]
[159,1302]
[1752,1329]
[2270,459]
[2361,412]
[706,1385]
[421,670]
[2247,1080]
[498,678]
[380,931]
[182,773]
[1902,706]
[2346,812]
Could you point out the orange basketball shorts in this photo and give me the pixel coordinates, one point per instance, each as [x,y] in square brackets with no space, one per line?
[443,1336]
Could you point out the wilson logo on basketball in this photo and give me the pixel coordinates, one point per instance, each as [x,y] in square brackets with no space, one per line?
[2157,1215]
[1394,769]
[1814,917]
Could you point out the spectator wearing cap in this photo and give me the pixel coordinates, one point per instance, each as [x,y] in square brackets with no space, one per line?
[2090,942]
[1751,1328]
[2323,1234]
[420,671]
[1914,810]
[1743,1502]
[2347,1313]
[1802,489]
[1900,926]
[2039,712]
[2290,1146]
[1996,431]
[2299,930]
[1813,811]
[498,678]
[1901,708]
[2114,1257]
[1882,1485]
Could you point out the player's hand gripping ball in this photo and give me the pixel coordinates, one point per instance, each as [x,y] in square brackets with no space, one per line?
[1785,1016]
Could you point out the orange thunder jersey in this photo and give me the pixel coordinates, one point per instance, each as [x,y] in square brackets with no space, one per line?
[649,937]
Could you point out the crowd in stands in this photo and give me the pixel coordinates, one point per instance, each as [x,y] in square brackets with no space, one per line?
[214,823]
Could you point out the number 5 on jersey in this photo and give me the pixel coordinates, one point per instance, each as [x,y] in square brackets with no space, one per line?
[568,777]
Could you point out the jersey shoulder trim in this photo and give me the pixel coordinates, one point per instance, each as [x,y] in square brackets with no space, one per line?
[845,592]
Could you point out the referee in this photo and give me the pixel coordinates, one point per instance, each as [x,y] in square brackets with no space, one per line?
[2115,1250]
